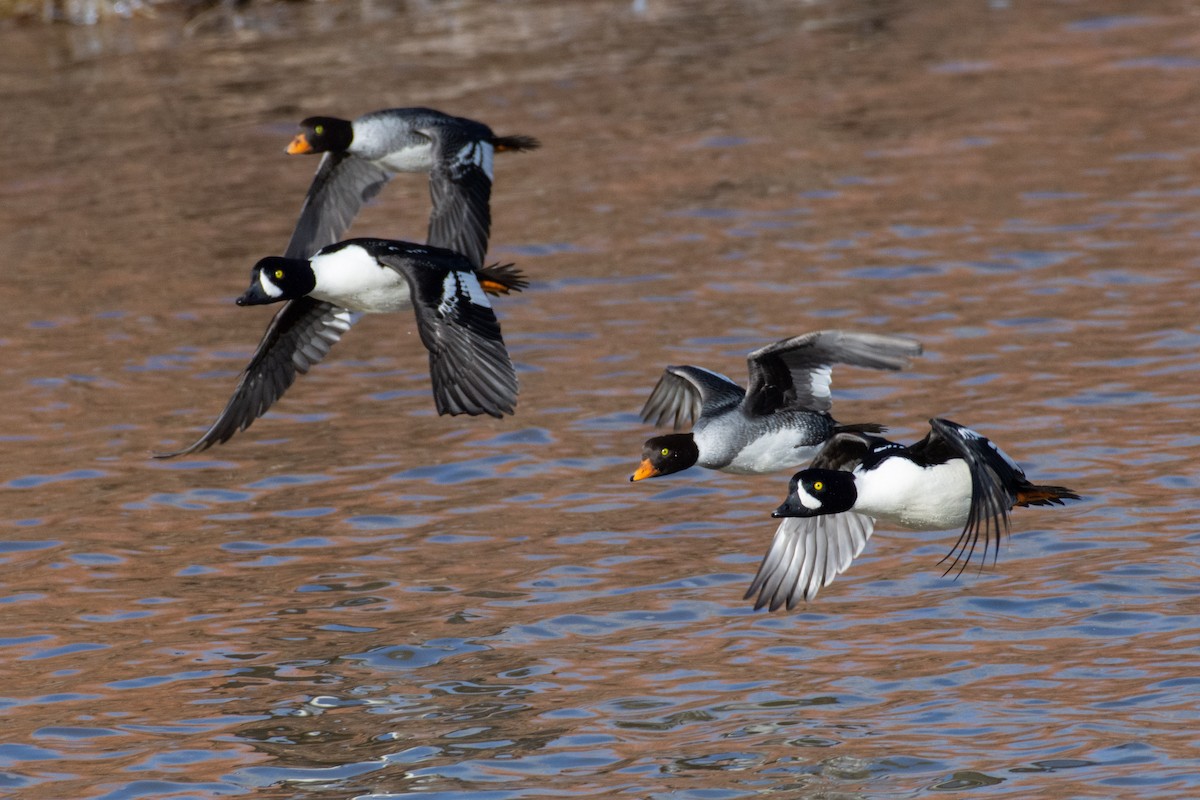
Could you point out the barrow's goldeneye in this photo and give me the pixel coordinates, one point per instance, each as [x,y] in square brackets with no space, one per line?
[952,478]
[468,363]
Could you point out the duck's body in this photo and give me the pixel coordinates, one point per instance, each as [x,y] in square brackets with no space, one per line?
[953,478]
[777,423]
[363,154]
[744,444]
[469,365]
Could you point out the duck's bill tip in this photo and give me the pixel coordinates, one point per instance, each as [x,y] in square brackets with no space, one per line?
[644,470]
[299,145]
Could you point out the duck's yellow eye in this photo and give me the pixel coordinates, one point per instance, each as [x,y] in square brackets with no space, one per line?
[818,486]
[666,451]
[319,130]
[278,274]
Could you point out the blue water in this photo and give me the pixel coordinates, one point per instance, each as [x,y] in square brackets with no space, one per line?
[358,598]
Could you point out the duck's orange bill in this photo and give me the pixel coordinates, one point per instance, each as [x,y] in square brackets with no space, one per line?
[299,145]
[493,287]
[644,470]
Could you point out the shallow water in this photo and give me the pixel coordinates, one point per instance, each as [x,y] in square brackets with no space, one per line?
[357,598]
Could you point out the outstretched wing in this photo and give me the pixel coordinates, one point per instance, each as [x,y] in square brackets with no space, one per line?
[806,554]
[460,186]
[342,185]
[992,471]
[468,363]
[686,393]
[794,374]
[299,336]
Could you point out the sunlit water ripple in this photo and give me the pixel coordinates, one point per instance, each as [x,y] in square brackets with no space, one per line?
[357,598]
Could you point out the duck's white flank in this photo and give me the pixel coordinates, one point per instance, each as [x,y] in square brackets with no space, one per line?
[921,498]
[414,158]
[770,452]
[352,278]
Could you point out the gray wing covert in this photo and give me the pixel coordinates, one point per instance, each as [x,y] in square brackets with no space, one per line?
[806,554]
[795,373]
[340,187]
[460,186]
[683,394]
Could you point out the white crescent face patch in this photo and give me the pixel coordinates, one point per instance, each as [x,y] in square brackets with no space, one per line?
[269,288]
[806,499]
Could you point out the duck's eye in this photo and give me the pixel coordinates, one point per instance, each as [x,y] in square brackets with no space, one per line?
[319,130]
[278,274]
[666,451]
[818,486]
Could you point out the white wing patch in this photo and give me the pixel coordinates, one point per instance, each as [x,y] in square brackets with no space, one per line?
[478,153]
[455,286]
[820,378]
[450,291]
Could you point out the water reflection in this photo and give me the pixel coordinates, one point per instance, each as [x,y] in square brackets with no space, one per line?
[358,598]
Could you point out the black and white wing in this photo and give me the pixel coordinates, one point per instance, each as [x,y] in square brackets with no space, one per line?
[460,186]
[468,363]
[299,336]
[342,184]
[992,471]
[684,394]
[794,374]
[806,554]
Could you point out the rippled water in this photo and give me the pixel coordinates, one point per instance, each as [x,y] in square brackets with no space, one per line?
[357,598]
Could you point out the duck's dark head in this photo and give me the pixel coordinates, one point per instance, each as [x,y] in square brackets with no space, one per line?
[322,134]
[275,279]
[814,492]
[663,455]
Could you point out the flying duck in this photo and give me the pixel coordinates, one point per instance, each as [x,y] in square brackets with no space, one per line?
[779,422]
[953,478]
[469,366]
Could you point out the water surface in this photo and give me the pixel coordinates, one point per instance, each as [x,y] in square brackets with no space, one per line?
[357,598]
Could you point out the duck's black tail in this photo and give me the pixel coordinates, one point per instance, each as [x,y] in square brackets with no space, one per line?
[501,279]
[515,144]
[860,427]
[1031,495]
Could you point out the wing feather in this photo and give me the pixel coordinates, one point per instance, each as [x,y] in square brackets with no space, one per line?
[299,336]
[805,555]
[340,187]
[684,394]
[469,365]
[794,374]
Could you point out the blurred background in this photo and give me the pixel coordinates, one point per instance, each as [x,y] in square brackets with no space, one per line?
[358,598]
